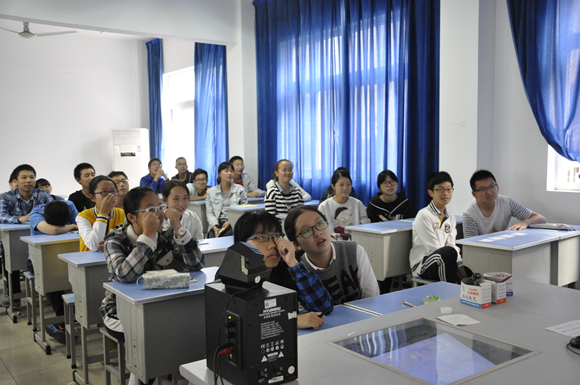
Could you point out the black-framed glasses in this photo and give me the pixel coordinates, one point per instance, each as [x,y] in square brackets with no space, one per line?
[153,210]
[488,188]
[309,231]
[200,180]
[124,181]
[105,193]
[390,183]
[265,237]
[442,190]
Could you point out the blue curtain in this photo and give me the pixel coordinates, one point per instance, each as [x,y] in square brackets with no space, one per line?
[351,83]
[547,40]
[155,71]
[211,108]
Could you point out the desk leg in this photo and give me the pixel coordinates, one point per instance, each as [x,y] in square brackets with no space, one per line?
[41,339]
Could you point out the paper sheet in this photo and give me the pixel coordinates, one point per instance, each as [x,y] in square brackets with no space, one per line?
[570,329]
[458,319]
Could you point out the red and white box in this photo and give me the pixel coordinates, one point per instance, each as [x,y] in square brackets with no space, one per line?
[502,277]
[498,292]
[476,296]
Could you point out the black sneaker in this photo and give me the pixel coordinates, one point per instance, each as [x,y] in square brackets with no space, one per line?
[56,332]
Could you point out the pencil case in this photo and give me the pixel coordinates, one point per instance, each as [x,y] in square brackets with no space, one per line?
[165,279]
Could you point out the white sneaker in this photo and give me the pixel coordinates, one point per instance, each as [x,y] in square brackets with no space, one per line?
[5,301]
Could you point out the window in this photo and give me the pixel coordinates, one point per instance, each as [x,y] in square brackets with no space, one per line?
[178,128]
[563,174]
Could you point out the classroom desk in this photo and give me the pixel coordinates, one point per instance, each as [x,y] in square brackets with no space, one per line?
[15,257]
[521,321]
[565,255]
[50,273]
[524,254]
[214,250]
[235,212]
[341,315]
[163,328]
[198,207]
[387,244]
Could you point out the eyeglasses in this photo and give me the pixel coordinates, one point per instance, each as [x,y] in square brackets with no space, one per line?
[390,183]
[155,164]
[153,210]
[265,237]
[105,193]
[308,232]
[124,181]
[182,164]
[200,180]
[442,190]
[488,188]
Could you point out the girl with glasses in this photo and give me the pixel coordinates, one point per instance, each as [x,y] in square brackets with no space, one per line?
[264,232]
[176,196]
[144,244]
[343,266]
[388,205]
[96,222]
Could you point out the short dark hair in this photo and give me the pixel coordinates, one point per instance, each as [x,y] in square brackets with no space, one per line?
[98,179]
[438,178]
[248,223]
[340,172]
[80,167]
[41,183]
[383,176]
[170,185]
[292,218]
[113,174]
[57,213]
[278,165]
[11,177]
[153,160]
[221,167]
[181,157]
[198,171]
[234,158]
[132,200]
[22,167]
[480,175]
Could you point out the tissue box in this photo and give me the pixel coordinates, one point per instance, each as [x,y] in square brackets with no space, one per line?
[502,277]
[498,292]
[165,279]
[476,296]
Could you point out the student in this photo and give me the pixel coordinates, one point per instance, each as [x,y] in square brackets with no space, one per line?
[343,210]
[343,266]
[15,207]
[43,184]
[12,182]
[434,255]
[144,245]
[219,198]
[95,223]
[388,205]
[329,193]
[491,212]
[264,232]
[56,217]
[198,189]
[282,196]
[182,173]
[122,182]
[176,196]
[285,167]
[156,178]
[83,173]
[243,179]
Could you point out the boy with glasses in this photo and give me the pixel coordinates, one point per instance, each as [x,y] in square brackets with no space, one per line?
[434,255]
[122,182]
[198,189]
[491,212]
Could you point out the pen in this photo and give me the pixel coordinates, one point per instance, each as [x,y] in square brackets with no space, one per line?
[407,304]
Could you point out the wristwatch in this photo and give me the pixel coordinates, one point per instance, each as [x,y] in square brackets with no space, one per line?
[181,232]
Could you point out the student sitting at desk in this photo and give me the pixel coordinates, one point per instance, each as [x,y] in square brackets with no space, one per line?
[144,245]
[342,210]
[95,223]
[243,179]
[43,184]
[264,232]
[491,212]
[198,189]
[56,217]
[343,266]
[83,173]
[388,205]
[182,173]
[329,193]
[284,168]
[156,178]
[219,198]
[176,196]
[283,196]
[15,207]
[434,255]
[122,182]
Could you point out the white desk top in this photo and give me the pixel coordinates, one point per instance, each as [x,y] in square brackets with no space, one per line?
[216,245]
[381,227]
[254,206]
[523,239]
[39,240]
[14,226]
[561,234]
[138,296]
[84,258]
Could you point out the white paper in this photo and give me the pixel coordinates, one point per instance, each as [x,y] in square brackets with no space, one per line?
[570,329]
[458,319]
[486,240]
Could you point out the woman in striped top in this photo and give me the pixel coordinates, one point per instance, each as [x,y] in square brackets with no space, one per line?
[282,197]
